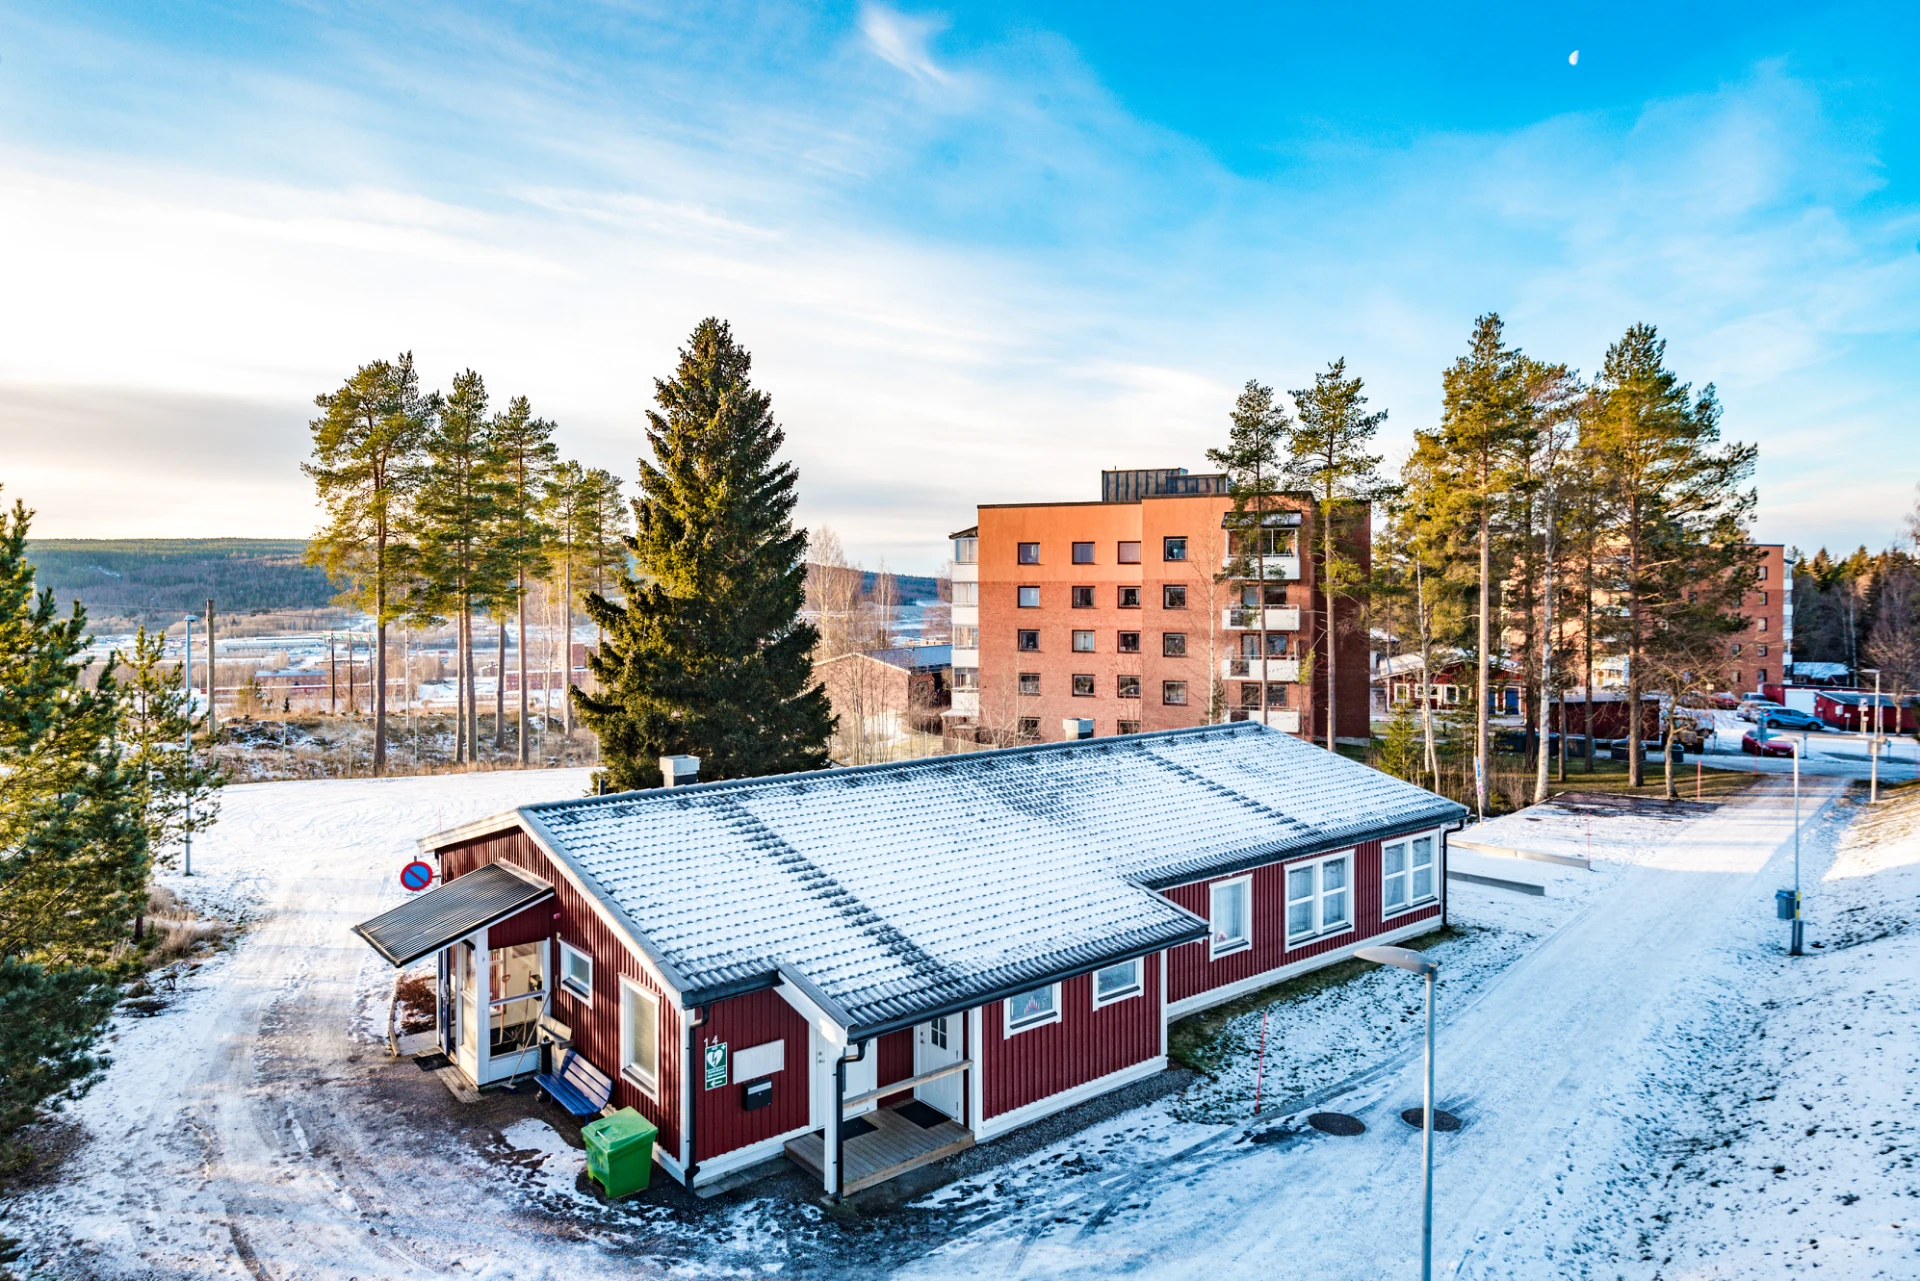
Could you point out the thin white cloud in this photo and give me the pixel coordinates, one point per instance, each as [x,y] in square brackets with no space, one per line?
[903,39]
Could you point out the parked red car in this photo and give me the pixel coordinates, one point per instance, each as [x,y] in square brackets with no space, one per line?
[1750,744]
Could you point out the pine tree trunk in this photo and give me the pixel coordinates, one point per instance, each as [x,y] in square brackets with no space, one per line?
[566,650]
[1426,676]
[1546,667]
[500,693]
[521,583]
[1636,772]
[472,709]
[1333,634]
[380,690]
[1485,673]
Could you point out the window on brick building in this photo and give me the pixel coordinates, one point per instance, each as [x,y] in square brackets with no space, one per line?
[1760,625]
[1763,598]
[1760,677]
[1083,598]
[1029,597]
[966,636]
[1129,554]
[1083,553]
[1736,649]
[1762,650]
[1083,685]
[1029,553]
[1127,686]
[1173,644]
[1173,548]
[1275,594]
[1173,596]
[1027,727]
[1126,727]
[966,593]
[1173,693]
[1276,695]
[1129,598]
[1030,684]
[1250,695]
[1129,642]
[1029,641]
[1083,642]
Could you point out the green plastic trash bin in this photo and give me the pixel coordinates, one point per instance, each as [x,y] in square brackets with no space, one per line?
[620,1152]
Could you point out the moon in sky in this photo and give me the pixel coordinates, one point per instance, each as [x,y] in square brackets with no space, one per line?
[1573,59]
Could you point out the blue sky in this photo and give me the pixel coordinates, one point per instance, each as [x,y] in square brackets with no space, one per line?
[979,253]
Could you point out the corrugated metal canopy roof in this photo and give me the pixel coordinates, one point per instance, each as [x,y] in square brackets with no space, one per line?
[902,888]
[449,912]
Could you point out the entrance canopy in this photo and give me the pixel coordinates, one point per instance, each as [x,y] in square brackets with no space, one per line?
[430,921]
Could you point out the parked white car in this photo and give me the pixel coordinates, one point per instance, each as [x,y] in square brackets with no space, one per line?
[1750,709]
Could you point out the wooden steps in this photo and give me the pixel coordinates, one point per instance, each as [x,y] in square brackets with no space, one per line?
[895,1146]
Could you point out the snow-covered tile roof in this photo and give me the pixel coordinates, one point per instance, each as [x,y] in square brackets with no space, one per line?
[902,888]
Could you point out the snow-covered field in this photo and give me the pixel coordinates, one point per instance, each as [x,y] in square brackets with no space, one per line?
[1631,1053]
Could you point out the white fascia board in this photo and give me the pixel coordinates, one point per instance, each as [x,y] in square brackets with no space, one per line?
[822,1022]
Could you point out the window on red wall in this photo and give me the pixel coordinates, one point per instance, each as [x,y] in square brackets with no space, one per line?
[1033,1009]
[1319,898]
[1116,983]
[1230,914]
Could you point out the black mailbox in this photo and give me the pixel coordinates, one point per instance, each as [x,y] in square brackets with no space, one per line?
[756,1094]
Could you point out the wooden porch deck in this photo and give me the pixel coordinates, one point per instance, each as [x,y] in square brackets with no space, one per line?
[895,1146]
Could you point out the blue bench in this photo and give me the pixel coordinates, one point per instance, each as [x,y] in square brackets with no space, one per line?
[579,1087]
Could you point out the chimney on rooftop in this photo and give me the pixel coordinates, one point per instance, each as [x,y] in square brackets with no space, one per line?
[680,771]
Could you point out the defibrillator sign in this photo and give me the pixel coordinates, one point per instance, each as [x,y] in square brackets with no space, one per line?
[716,1065]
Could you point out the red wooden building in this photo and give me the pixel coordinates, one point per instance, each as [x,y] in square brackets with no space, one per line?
[868,969]
[1853,709]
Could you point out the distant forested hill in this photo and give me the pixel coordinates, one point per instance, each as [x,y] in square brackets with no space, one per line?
[160,580]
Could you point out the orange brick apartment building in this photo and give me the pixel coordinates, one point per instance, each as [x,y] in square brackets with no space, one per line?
[1108,612]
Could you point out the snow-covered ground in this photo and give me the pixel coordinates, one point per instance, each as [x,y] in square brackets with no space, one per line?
[1631,1053]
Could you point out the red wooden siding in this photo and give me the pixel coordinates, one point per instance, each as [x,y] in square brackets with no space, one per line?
[596,1029]
[1190,971]
[896,1063]
[721,1123]
[1084,1045]
[525,927]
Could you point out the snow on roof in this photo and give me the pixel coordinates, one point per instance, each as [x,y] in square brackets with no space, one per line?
[1820,671]
[906,888]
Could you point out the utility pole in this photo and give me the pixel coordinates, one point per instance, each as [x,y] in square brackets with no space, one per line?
[1795,950]
[187,743]
[213,671]
[1873,740]
[333,679]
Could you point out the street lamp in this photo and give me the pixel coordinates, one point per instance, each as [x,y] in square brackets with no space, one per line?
[1873,739]
[1415,963]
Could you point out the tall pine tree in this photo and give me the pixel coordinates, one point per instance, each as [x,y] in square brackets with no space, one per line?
[1327,457]
[178,788]
[525,453]
[708,656]
[365,468]
[1257,432]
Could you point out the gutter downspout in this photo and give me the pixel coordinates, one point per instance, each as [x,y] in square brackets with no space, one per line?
[693,1031]
[839,1119]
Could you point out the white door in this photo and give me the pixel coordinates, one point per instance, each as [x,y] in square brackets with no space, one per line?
[861,1077]
[466,1015]
[936,1044]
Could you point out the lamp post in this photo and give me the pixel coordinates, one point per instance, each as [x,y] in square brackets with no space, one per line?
[1798,923]
[1873,739]
[1414,963]
[186,744]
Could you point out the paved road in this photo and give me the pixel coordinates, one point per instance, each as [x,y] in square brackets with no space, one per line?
[1538,1067]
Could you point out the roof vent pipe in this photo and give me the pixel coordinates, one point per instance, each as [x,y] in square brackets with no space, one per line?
[680,771]
[1077,728]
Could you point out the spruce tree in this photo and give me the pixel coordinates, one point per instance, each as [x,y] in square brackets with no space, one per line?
[365,468]
[178,789]
[73,847]
[708,656]
[1327,457]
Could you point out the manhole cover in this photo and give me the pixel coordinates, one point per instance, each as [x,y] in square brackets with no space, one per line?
[1441,1120]
[1337,1123]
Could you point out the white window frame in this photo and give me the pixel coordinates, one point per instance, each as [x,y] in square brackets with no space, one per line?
[1321,930]
[1232,947]
[567,953]
[1006,1013]
[1137,988]
[1412,903]
[632,994]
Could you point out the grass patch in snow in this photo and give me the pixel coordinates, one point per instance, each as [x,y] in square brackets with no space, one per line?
[1202,1041]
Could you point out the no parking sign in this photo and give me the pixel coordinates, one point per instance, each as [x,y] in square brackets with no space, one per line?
[416,875]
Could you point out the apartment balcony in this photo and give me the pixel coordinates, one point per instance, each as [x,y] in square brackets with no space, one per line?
[1285,720]
[1279,618]
[966,702]
[1279,568]
[1255,669]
